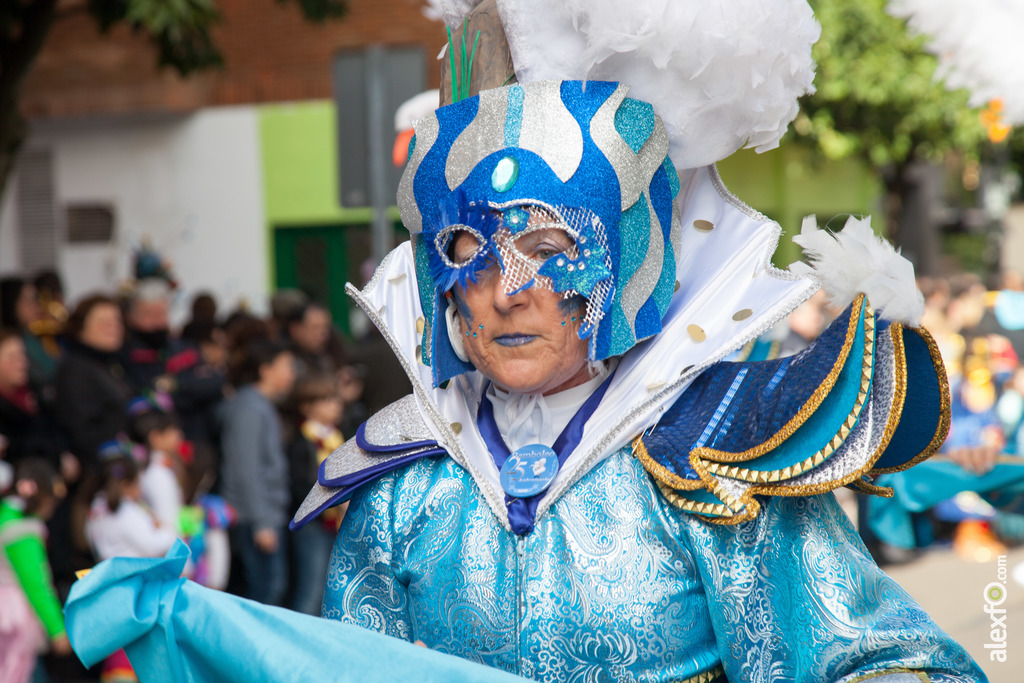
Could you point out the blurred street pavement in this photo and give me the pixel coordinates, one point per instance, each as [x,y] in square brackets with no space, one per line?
[952,589]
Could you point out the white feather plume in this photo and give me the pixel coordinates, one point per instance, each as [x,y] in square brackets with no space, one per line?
[722,75]
[978,44]
[451,12]
[856,260]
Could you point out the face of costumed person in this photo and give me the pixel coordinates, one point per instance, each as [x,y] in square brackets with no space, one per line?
[524,337]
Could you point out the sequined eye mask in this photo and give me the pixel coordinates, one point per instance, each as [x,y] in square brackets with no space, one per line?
[534,245]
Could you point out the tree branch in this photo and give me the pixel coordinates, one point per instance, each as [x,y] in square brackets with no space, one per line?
[35,26]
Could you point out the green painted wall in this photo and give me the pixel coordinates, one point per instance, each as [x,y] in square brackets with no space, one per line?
[300,165]
[785,185]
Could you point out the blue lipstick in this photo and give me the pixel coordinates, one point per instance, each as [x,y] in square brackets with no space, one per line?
[515,339]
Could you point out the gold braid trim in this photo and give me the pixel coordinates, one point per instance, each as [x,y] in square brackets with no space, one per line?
[661,473]
[922,676]
[812,404]
[864,487]
[774,476]
[692,505]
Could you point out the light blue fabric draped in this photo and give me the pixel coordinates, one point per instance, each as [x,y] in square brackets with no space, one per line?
[176,630]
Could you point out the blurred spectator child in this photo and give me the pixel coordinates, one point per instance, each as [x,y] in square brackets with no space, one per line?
[120,526]
[164,483]
[163,480]
[320,407]
[31,614]
[254,467]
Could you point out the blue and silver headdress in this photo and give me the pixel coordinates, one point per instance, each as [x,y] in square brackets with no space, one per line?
[578,156]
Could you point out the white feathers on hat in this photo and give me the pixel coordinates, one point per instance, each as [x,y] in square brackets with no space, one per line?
[722,75]
[856,260]
[978,44]
[451,12]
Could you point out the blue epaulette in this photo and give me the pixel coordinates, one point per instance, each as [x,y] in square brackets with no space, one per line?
[867,397]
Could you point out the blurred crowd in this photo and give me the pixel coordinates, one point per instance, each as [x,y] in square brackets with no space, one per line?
[123,436]
[972,493]
[980,334]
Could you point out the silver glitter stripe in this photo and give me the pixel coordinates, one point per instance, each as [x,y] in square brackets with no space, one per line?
[427,130]
[639,288]
[449,441]
[484,135]
[549,130]
[675,235]
[615,149]
[652,154]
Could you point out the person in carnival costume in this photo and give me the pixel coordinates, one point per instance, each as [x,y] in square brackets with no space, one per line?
[579,488]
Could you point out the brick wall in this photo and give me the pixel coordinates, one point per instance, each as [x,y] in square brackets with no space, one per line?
[271,54]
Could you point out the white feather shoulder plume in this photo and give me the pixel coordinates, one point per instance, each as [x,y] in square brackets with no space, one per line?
[855,260]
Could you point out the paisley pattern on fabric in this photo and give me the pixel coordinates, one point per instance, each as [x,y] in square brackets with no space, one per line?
[616,584]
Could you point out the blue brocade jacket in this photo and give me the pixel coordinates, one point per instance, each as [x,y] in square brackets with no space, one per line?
[616,584]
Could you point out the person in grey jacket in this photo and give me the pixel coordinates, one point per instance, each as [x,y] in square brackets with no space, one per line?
[255,468]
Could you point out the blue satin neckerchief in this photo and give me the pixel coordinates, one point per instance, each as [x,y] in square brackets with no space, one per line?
[523,511]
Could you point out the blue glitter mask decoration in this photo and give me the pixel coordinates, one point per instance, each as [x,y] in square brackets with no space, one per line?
[584,163]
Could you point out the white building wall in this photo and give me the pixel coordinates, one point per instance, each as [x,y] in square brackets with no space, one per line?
[192,187]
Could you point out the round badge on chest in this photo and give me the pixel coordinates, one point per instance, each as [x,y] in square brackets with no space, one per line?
[529,470]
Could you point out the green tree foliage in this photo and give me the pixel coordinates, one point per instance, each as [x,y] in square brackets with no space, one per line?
[877,96]
[878,100]
[180,30]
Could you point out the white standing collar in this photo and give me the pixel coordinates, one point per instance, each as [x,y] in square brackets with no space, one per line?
[728,293]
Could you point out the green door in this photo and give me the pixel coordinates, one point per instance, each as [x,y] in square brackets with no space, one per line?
[319,261]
